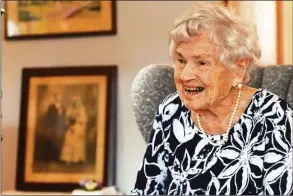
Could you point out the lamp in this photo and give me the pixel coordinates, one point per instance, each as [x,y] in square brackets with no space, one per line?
[2,11]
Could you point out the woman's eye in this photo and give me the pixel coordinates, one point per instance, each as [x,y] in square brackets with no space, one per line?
[202,63]
[181,61]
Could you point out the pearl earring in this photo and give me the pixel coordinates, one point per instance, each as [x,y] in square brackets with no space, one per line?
[237,85]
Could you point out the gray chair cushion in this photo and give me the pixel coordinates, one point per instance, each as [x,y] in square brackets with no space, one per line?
[290,93]
[154,82]
[276,79]
[256,77]
[151,85]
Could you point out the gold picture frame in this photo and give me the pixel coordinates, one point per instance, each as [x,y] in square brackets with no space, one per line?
[43,19]
[67,129]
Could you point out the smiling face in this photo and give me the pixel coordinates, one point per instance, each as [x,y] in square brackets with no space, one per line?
[202,81]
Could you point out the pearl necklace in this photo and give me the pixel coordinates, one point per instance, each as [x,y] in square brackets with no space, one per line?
[217,140]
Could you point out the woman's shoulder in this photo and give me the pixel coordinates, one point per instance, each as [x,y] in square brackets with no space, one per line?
[268,98]
[171,107]
[170,100]
[270,104]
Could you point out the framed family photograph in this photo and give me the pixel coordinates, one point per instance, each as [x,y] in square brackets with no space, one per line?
[67,129]
[42,18]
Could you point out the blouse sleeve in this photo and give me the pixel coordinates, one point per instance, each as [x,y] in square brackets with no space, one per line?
[151,175]
[278,173]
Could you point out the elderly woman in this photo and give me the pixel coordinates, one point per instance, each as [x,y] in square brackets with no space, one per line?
[216,135]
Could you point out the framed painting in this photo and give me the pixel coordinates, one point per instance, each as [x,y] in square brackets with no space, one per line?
[42,19]
[67,129]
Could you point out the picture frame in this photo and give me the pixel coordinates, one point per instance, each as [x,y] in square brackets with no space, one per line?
[67,127]
[32,19]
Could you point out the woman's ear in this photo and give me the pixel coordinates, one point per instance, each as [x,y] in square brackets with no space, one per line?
[242,67]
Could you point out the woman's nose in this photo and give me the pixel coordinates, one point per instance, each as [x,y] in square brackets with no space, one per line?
[188,73]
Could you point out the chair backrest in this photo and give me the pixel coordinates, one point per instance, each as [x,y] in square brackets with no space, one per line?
[154,82]
[150,86]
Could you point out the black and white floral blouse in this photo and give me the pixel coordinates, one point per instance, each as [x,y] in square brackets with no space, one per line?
[256,160]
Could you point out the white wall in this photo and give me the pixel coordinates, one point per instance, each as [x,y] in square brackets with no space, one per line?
[142,39]
[268,38]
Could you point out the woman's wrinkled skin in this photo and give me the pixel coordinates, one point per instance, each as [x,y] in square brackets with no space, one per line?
[197,64]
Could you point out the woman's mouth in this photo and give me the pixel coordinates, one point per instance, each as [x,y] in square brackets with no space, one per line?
[193,90]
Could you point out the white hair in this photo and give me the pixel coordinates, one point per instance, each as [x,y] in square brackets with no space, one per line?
[236,38]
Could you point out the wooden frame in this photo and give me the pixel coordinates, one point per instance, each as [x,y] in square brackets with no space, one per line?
[279,32]
[67,128]
[62,19]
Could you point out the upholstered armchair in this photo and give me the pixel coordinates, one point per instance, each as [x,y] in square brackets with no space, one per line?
[154,82]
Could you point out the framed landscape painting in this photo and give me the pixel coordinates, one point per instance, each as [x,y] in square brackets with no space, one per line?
[39,19]
[67,127]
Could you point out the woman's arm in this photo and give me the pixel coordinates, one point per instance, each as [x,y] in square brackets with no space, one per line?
[152,173]
[278,174]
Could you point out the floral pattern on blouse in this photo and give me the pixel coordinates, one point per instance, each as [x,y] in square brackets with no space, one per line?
[256,159]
